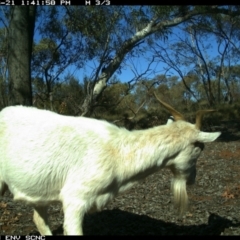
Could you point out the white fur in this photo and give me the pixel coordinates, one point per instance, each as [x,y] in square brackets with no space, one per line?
[84,163]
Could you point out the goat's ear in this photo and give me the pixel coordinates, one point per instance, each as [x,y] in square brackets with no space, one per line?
[208,137]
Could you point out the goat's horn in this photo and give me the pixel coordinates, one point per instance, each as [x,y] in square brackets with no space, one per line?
[199,116]
[177,115]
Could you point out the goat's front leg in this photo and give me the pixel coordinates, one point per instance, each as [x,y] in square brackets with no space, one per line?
[73,218]
[40,218]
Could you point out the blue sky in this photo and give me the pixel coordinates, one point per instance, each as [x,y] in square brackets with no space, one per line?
[140,63]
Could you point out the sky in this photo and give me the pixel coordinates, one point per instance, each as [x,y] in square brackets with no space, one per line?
[140,64]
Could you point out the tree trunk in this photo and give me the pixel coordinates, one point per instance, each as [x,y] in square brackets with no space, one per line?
[20,49]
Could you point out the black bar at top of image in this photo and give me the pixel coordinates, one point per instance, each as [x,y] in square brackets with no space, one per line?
[118,2]
[75,2]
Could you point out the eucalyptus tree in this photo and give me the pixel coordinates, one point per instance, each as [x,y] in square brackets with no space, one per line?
[225,30]
[205,47]
[120,31]
[215,70]
[109,35]
[54,51]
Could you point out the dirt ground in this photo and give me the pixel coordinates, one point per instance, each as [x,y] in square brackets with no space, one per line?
[147,208]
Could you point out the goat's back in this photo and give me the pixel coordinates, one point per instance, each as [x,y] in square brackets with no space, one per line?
[40,150]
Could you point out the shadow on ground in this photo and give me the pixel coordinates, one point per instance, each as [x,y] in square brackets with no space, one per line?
[117,222]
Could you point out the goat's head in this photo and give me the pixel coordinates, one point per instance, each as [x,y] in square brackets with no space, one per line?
[183,166]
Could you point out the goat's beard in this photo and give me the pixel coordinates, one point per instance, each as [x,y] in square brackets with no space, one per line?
[180,195]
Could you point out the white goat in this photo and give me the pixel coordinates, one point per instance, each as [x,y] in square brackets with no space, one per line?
[84,163]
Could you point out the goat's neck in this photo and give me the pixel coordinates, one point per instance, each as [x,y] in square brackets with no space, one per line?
[145,152]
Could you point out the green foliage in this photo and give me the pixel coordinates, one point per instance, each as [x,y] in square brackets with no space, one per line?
[96,25]
[229,112]
[121,105]
[163,12]
[69,96]
[65,98]
[44,52]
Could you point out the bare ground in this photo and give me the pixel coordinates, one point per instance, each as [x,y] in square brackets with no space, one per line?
[147,208]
